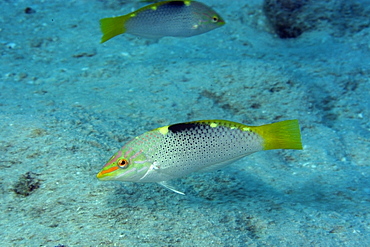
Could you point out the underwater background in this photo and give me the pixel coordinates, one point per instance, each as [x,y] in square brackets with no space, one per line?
[68,103]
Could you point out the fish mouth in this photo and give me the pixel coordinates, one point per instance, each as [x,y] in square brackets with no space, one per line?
[106,173]
[103,177]
[99,175]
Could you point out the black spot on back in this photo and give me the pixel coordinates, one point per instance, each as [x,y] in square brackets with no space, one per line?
[176,3]
[175,128]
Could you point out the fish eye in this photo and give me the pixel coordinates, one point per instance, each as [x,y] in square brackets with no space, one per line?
[214,19]
[122,163]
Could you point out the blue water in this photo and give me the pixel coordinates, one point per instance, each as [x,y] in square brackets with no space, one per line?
[68,103]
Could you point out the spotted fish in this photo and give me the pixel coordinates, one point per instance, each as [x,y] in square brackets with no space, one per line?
[177,150]
[167,18]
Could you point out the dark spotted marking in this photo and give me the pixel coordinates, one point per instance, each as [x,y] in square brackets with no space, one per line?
[176,128]
[176,3]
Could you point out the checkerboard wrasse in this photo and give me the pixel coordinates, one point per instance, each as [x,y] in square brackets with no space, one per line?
[167,18]
[177,150]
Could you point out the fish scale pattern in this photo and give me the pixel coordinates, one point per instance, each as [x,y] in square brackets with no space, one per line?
[201,146]
[176,20]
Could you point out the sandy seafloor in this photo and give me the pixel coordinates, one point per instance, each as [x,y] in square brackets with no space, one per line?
[68,103]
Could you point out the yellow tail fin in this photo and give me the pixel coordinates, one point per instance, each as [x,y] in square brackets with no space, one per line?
[280,135]
[112,27]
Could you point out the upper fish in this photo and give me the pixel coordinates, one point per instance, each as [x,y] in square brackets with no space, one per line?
[167,18]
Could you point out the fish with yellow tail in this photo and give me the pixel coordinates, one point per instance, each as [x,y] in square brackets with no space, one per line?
[167,18]
[177,150]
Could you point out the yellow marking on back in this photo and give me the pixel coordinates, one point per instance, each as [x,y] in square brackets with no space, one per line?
[223,123]
[163,130]
[154,7]
[280,135]
[133,15]
[213,125]
[187,3]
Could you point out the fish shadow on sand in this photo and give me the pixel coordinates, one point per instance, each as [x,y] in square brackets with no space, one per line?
[240,188]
